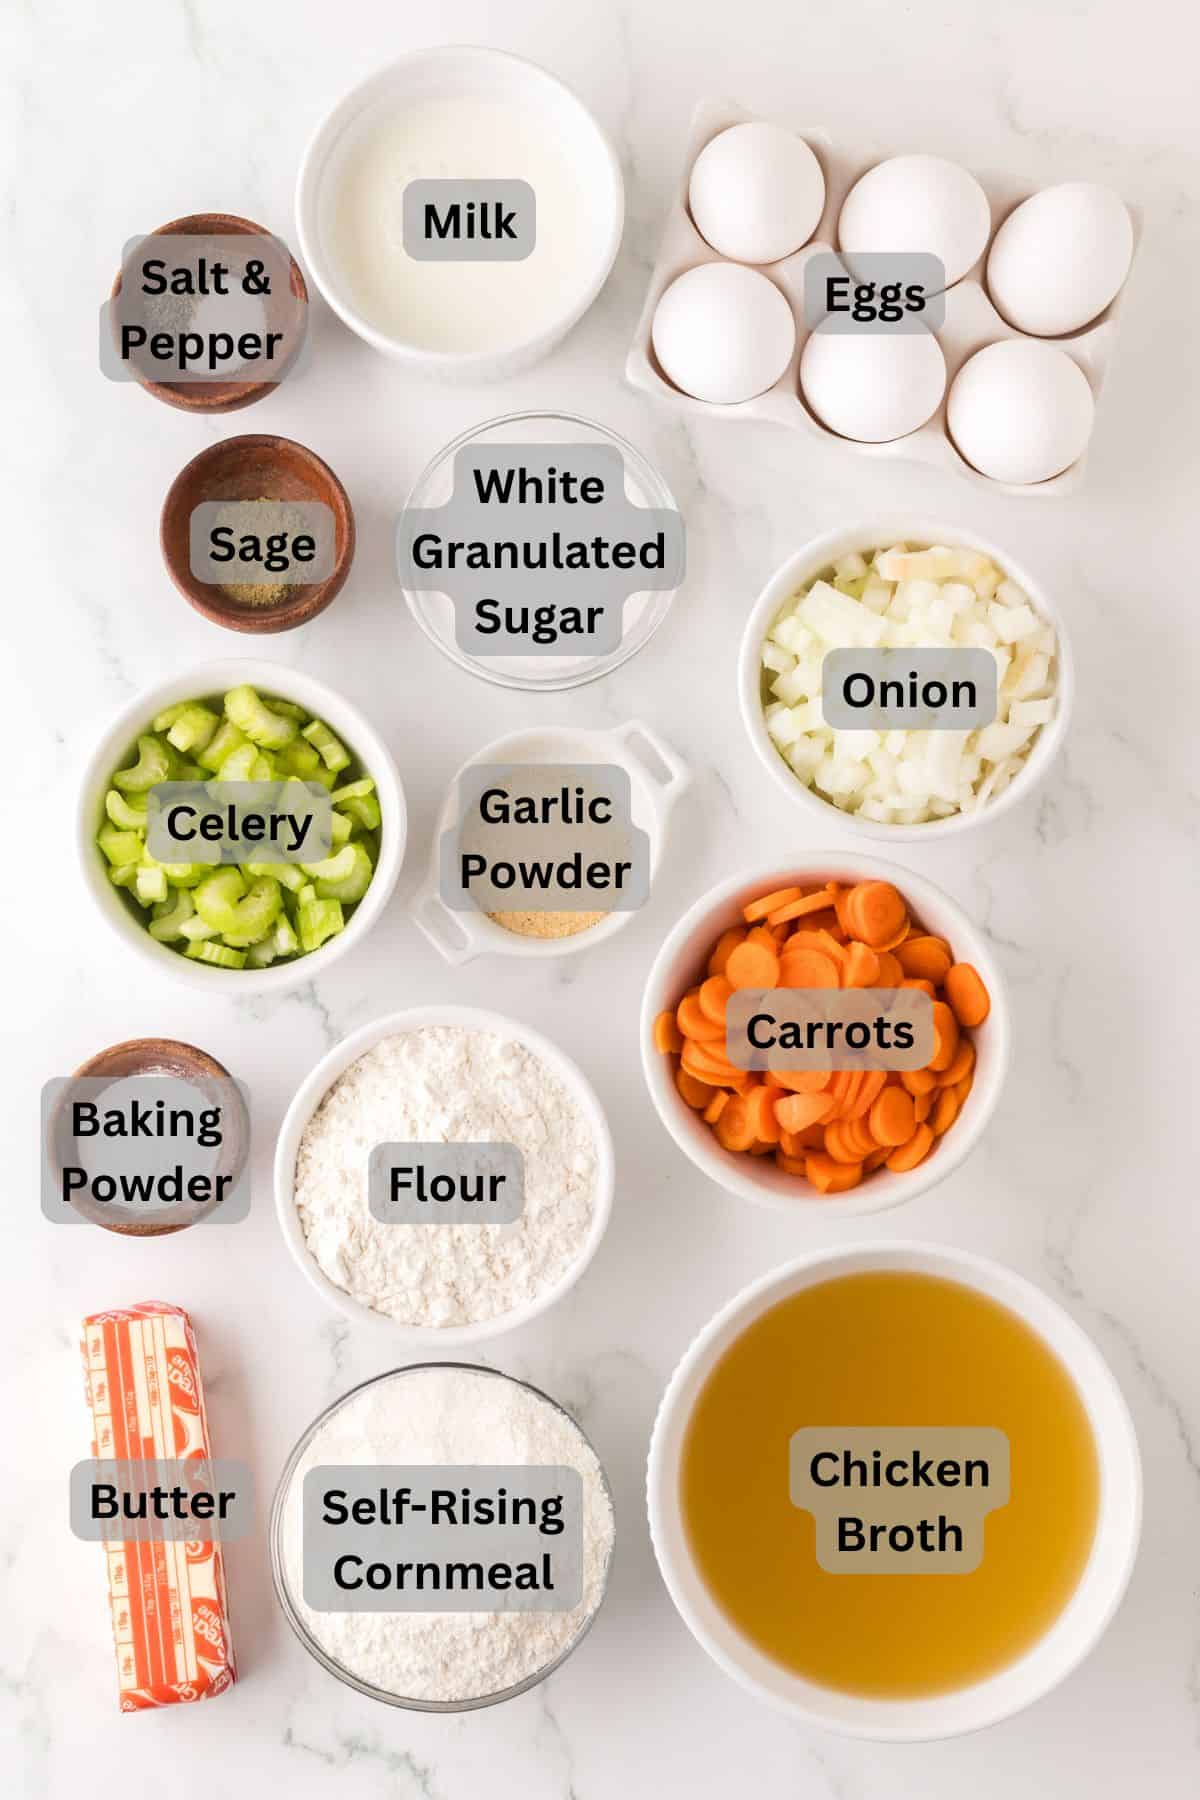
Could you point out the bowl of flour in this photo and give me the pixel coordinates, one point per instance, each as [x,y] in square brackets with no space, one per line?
[444,1076]
[459,1418]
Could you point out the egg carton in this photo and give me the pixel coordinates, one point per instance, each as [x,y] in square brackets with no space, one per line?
[971,321]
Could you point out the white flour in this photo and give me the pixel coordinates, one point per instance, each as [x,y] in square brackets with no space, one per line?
[446,1084]
[450,1415]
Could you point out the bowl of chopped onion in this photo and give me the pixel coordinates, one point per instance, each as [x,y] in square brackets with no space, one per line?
[897,585]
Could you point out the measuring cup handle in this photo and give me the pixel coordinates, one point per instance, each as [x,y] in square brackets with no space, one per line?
[679,776]
[434,920]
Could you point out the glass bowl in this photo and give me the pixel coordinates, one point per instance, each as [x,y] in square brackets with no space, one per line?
[283,1591]
[644,612]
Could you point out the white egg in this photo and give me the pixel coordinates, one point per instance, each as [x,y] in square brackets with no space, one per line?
[912,203]
[1020,411]
[1060,258]
[872,386]
[723,333]
[756,193]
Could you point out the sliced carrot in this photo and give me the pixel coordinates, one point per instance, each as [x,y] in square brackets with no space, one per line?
[967,995]
[798,908]
[845,1082]
[892,1117]
[873,1083]
[830,946]
[945,1111]
[769,903]
[796,1143]
[825,920]
[758,1148]
[733,1128]
[876,1157]
[791,1165]
[961,1067]
[830,1177]
[798,1111]
[723,949]
[917,981]
[926,957]
[923,1105]
[714,998]
[764,935]
[876,914]
[918,1081]
[945,1031]
[667,1036]
[694,1023]
[850,1093]
[696,1093]
[803,1081]
[761,1111]
[962,1089]
[807,969]
[856,1134]
[907,1156]
[841,906]
[861,967]
[716,1107]
[752,965]
[890,972]
[839,1145]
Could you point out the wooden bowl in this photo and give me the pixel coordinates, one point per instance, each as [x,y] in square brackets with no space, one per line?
[138,1056]
[217,396]
[254,468]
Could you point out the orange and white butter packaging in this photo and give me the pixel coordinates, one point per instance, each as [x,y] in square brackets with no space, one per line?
[170,1614]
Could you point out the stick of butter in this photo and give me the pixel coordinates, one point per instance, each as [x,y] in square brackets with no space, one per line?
[170,1614]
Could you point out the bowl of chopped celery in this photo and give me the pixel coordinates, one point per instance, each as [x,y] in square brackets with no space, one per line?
[254,926]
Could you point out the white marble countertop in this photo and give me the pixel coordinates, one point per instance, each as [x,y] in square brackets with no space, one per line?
[118,118]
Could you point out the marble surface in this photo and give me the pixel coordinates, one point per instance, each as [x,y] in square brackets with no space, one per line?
[115,119]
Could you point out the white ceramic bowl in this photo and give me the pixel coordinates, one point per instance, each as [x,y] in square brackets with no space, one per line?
[313,1090]
[1077,1628]
[802,568]
[455,71]
[680,964]
[459,936]
[343,719]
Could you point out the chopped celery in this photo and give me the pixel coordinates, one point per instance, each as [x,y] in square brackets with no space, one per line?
[120,846]
[334,754]
[288,875]
[353,790]
[364,812]
[151,882]
[194,727]
[352,885]
[195,930]
[249,915]
[256,913]
[171,915]
[152,766]
[126,814]
[217,896]
[338,867]
[219,955]
[226,739]
[246,763]
[299,759]
[270,730]
[319,920]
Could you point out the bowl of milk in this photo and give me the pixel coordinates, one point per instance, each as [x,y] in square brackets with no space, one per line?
[460,211]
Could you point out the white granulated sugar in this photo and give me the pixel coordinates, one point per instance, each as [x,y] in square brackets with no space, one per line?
[447,1084]
[452,1416]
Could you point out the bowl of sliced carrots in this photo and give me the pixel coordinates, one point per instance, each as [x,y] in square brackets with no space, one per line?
[853,1140]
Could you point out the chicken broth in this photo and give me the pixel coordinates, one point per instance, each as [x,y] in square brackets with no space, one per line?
[951,1466]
